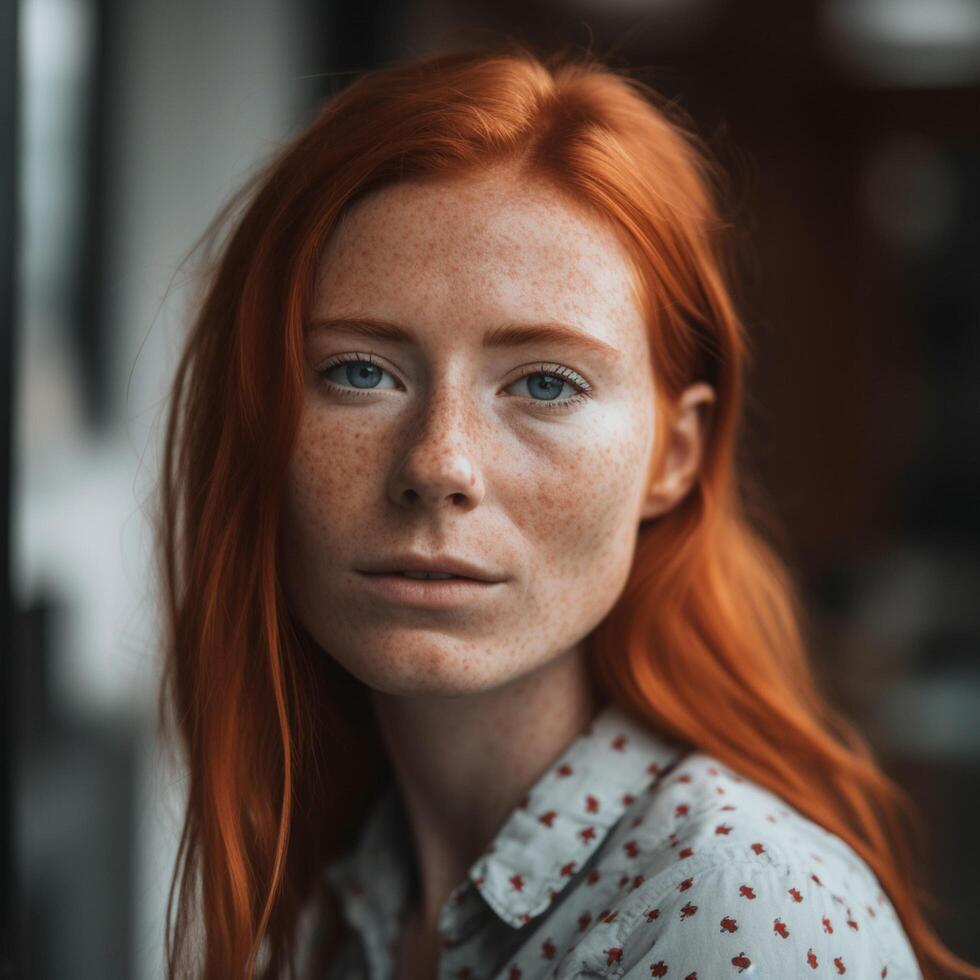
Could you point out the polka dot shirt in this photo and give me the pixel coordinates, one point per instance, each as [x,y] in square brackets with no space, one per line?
[632,858]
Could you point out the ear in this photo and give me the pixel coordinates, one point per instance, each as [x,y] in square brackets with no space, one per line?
[686,440]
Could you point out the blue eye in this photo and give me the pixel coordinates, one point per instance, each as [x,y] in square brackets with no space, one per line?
[549,386]
[361,375]
[549,380]
[359,370]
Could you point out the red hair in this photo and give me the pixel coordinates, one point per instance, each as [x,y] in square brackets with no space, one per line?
[704,643]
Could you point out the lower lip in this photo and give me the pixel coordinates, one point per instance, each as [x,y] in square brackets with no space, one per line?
[431,593]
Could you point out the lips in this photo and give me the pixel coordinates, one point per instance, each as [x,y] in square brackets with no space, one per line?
[430,575]
[458,592]
[425,576]
[415,565]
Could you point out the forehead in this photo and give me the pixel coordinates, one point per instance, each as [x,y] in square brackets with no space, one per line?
[479,250]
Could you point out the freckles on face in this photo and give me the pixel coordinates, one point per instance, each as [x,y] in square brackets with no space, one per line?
[448,448]
[320,475]
[582,523]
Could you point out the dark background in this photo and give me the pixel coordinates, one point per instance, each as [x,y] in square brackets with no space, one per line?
[851,134]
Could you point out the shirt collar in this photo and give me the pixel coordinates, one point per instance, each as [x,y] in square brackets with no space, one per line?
[569,812]
[562,820]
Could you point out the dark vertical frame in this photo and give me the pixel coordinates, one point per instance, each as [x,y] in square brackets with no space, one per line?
[351,36]
[89,333]
[9,128]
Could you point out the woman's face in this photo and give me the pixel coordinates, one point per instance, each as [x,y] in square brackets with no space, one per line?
[437,442]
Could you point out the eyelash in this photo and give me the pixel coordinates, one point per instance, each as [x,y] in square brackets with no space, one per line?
[551,370]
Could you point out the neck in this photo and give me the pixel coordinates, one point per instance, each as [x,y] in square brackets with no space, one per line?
[462,764]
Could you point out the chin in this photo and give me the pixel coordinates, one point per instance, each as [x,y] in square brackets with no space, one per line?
[428,671]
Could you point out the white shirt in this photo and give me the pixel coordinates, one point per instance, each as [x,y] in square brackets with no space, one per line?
[633,858]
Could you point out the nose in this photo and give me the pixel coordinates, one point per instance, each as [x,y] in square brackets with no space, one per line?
[438,465]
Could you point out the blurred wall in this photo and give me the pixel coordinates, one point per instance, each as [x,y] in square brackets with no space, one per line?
[191,98]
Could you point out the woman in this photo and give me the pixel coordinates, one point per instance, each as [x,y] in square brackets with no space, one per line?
[472,323]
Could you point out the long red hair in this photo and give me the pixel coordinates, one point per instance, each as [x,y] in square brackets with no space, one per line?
[705,642]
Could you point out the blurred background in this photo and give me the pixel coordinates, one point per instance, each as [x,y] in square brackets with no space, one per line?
[851,131]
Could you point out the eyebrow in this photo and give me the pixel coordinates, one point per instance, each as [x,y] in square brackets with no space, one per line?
[503,335]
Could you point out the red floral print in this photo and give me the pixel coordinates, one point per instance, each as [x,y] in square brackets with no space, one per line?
[631,857]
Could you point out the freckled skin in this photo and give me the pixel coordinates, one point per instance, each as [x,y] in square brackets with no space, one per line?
[451,451]
[460,461]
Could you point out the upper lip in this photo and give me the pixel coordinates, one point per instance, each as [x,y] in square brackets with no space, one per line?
[434,563]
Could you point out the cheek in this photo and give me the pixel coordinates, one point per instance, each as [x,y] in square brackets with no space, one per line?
[328,473]
[588,501]
[583,521]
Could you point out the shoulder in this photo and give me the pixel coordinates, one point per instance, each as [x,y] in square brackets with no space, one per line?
[719,877]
